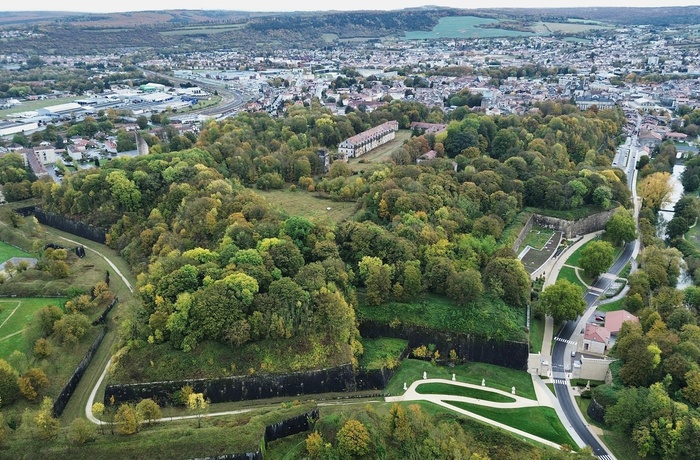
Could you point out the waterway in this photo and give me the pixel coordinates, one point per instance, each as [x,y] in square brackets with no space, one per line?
[665,217]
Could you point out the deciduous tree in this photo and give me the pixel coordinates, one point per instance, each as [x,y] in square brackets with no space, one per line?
[596,258]
[563,301]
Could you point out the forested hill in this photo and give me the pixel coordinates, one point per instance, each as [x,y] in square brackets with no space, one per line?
[70,33]
[220,264]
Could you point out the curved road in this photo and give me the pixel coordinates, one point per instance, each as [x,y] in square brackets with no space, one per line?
[591,296]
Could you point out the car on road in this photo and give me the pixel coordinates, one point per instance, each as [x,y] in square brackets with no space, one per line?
[573,354]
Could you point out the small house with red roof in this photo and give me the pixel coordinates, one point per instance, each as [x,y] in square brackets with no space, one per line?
[595,339]
[614,320]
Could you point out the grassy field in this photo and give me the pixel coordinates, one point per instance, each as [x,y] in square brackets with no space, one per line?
[539,421]
[381,154]
[536,334]
[569,274]
[456,390]
[7,252]
[28,106]
[693,235]
[537,238]
[301,203]
[612,306]
[382,352]
[487,317]
[217,436]
[15,316]
[464,27]
[546,28]
[496,377]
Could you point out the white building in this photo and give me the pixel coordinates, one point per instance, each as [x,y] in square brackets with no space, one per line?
[366,141]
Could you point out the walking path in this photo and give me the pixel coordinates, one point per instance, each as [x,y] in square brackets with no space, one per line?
[545,398]
[553,267]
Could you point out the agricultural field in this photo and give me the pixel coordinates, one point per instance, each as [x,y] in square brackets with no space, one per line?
[306,204]
[464,27]
[547,28]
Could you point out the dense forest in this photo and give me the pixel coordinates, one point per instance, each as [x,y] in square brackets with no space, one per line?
[218,264]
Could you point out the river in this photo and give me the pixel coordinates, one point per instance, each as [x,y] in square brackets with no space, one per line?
[665,217]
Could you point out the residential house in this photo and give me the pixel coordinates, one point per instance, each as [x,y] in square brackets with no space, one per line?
[614,320]
[595,339]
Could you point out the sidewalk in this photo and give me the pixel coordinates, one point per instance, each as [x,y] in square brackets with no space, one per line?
[544,398]
[553,267]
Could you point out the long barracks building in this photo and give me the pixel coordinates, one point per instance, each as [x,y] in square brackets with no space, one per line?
[362,143]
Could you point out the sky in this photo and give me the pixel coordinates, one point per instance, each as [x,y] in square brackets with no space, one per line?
[311,5]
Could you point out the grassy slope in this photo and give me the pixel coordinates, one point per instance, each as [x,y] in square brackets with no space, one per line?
[487,317]
[305,204]
[456,390]
[381,352]
[495,376]
[7,252]
[536,334]
[24,310]
[539,421]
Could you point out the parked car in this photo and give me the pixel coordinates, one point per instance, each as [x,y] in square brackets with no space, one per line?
[600,318]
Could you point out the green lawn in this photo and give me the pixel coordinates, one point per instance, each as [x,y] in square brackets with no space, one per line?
[539,421]
[487,317]
[536,334]
[15,316]
[457,390]
[537,238]
[7,252]
[612,306]
[306,204]
[496,377]
[382,352]
[569,274]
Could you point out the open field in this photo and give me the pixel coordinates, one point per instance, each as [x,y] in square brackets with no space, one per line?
[456,390]
[306,204]
[15,316]
[547,28]
[498,377]
[381,154]
[612,306]
[464,27]
[486,317]
[28,106]
[539,421]
[7,252]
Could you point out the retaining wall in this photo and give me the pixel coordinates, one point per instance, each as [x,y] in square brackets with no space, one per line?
[570,229]
[469,347]
[71,226]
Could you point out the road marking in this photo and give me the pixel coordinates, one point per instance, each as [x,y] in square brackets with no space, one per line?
[559,339]
[560,382]
[605,457]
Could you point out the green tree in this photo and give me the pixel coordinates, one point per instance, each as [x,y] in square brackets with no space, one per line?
[81,431]
[148,410]
[9,389]
[126,419]
[315,445]
[33,381]
[655,190]
[353,439]
[197,404]
[596,258]
[563,301]
[464,286]
[621,227]
[506,278]
[46,424]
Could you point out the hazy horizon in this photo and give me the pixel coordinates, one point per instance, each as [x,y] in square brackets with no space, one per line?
[80,6]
